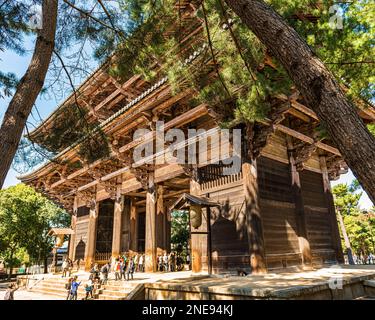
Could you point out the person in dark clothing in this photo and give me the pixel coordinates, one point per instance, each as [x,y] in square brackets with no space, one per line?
[130,269]
[104,271]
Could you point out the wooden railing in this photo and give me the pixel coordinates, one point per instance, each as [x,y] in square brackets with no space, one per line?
[212,177]
[103,256]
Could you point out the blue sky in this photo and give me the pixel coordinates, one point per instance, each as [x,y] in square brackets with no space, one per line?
[11,62]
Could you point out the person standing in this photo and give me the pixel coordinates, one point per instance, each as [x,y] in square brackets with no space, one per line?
[74,288]
[130,269]
[165,261]
[160,263]
[136,263]
[64,267]
[117,270]
[122,269]
[140,263]
[9,294]
[89,288]
[172,261]
[188,261]
[70,267]
[104,271]
[68,287]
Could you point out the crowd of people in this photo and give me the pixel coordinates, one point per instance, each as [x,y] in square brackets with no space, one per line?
[122,267]
[171,262]
[364,259]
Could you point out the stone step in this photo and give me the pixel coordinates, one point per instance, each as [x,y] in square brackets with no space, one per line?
[110,297]
[60,285]
[57,289]
[81,295]
[115,292]
[120,287]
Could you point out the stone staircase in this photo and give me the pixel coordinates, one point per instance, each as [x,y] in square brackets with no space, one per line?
[113,290]
[56,287]
[116,290]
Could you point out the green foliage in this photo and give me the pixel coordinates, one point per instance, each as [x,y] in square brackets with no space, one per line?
[371,128]
[234,73]
[12,28]
[345,196]
[359,224]
[71,126]
[180,231]
[25,219]
[348,52]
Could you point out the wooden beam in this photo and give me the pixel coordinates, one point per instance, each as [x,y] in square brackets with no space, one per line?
[307,139]
[187,117]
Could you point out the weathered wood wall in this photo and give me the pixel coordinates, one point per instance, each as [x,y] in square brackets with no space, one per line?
[278,214]
[81,231]
[282,229]
[318,221]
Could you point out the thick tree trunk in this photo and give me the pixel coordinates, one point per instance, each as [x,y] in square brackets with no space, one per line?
[317,85]
[28,89]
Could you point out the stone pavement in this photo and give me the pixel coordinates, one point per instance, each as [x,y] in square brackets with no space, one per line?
[326,282]
[271,285]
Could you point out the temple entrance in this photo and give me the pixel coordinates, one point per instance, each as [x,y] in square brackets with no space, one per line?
[105,227]
[180,237]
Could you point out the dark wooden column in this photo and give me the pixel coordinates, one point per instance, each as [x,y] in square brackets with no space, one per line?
[91,235]
[133,245]
[304,243]
[253,217]
[72,237]
[126,226]
[161,218]
[198,236]
[336,240]
[117,223]
[150,242]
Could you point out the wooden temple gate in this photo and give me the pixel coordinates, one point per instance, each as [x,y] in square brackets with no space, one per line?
[276,213]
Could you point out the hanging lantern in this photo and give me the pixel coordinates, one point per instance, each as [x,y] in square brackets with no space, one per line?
[196,215]
[59,240]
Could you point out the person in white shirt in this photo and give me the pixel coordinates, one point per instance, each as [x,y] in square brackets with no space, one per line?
[65,267]
[165,261]
[140,263]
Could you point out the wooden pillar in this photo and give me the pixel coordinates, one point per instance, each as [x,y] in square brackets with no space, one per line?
[126,226]
[133,245]
[72,237]
[198,236]
[117,221]
[160,221]
[253,218]
[336,240]
[91,235]
[303,241]
[150,241]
